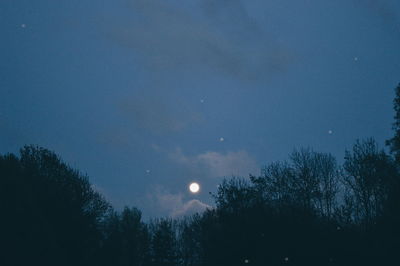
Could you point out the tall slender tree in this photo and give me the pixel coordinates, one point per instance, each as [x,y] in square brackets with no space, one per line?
[394,143]
[163,244]
[368,174]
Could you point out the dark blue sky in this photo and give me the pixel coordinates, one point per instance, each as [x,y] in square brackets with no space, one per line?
[138,94]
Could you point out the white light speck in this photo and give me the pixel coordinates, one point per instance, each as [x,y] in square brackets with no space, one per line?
[221,139]
[23,25]
[286,259]
[330,132]
[148,171]
[355,58]
[201,100]
[246,261]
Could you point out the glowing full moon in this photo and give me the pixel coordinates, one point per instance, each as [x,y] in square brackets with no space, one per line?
[194,187]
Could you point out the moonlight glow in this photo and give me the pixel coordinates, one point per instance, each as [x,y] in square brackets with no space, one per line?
[194,187]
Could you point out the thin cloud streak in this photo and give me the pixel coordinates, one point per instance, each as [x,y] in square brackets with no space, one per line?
[158,116]
[214,164]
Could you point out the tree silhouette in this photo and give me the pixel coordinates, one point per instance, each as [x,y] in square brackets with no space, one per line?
[163,244]
[53,211]
[127,239]
[394,143]
[190,239]
[368,174]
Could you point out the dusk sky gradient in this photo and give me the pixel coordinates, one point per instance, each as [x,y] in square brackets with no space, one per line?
[146,96]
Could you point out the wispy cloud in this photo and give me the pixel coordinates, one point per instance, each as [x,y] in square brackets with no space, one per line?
[174,205]
[382,8]
[215,164]
[157,116]
[221,37]
[191,207]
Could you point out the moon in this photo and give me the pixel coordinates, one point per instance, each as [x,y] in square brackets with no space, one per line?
[194,187]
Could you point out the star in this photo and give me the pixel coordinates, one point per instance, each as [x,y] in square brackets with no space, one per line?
[246,261]
[221,139]
[330,132]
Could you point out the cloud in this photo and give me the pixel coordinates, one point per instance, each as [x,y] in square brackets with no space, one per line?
[222,37]
[382,8]
[174,205]
[215,164]
[157,115]
[191,207]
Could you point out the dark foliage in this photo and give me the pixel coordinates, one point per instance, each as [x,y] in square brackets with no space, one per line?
[50,213]
[394,142]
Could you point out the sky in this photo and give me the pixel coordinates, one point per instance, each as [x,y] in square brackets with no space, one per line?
[147,96]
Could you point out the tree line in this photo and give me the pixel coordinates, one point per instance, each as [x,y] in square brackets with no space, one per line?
[307,210]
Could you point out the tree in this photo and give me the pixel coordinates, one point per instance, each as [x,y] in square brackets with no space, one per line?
[276,185]
[234,195]
[315,177]
[135,238]
[190,237]
[394,143]
[54,213]
[126,239]
[368,174]
[163,243]
[328,177]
